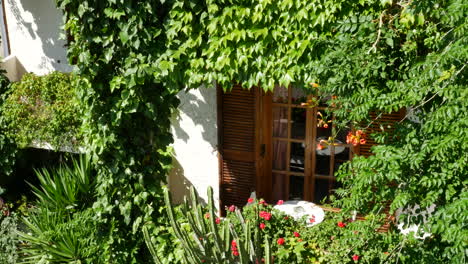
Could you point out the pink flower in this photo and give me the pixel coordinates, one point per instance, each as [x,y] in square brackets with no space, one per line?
[265,215]
[250,200]
[280,241]
[296,234]
[232,208]
[341,224]
[280,202]
[355,257]
[262,226]
[218,220]
[262,202]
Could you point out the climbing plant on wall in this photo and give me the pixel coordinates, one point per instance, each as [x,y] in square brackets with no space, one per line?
[375,56]
[126,113]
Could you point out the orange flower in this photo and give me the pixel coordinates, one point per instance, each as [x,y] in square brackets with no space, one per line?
[314,85]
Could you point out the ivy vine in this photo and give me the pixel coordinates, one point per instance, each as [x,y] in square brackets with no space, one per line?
[372,55]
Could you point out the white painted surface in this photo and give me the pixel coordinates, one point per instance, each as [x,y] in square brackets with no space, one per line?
[195,145]
[34,28]
[13,67]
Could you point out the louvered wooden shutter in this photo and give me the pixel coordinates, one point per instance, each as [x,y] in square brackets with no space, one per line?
[237,130]
[385,120]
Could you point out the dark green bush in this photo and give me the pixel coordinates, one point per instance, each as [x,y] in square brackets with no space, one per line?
[8,238]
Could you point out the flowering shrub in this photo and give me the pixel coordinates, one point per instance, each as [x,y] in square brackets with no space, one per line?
[258,233]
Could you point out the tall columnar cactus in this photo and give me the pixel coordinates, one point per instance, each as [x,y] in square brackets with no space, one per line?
[207,239]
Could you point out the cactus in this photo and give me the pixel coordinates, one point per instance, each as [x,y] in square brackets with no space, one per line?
[205,241]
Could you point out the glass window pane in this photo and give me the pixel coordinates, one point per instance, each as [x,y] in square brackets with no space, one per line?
[298,123]
[279,184]
[279,155]
[296,162]
[280,122]
[322,165]
[341,158]
[298,95]
[280,94]
[324,188]
[341,136]
[296,188]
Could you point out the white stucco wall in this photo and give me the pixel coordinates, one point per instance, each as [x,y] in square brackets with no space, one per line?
[195,145]
[34,28]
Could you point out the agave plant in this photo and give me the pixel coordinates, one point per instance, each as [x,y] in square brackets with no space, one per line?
[206,238]
[65,187]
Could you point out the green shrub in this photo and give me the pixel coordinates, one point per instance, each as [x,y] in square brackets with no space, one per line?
[43,109]
[7,146]
[257,233]
[8,238]
[54,237]
[61,228]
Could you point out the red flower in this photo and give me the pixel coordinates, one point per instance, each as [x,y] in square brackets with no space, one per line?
[280,241]
[250,200]
[207,215]
[280,202]
[320,146]
[234,248]
[312,219]
[232,208]
[262,202]
[325,125]
[262,226]
[285,218]
[218,220]
[355,257]
[341,224]
[265,215]
[296,234]
[362,141]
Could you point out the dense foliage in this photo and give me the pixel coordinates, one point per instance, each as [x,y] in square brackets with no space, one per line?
[8,237]
[60,227]
[260,233]
[7,146]
[375,56]
[126,110]
[43,109]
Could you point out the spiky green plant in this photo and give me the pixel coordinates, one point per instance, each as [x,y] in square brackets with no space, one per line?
[66,187]
[206,240]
